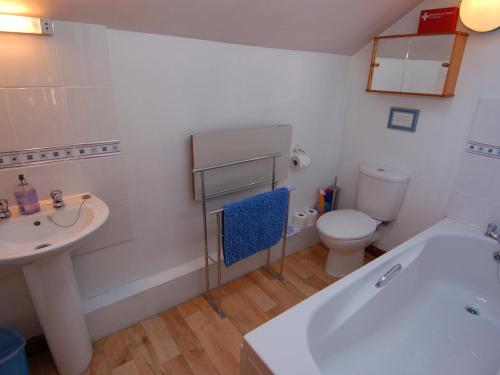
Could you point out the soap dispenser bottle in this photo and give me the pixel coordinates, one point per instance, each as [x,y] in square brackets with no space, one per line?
[26,197]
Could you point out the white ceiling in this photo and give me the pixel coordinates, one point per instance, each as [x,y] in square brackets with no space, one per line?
[335,26]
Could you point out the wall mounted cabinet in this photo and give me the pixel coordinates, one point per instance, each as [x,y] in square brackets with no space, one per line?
[416,64]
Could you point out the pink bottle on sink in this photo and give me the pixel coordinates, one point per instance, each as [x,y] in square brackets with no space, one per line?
[26,197]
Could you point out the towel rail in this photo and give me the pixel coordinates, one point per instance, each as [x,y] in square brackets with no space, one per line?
[215,212]
[236,188]
[216,305]
[237,162]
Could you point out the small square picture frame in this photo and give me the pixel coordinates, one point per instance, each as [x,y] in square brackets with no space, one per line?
[404,119]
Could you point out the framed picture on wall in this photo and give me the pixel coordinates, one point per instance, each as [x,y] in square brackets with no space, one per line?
[403,119]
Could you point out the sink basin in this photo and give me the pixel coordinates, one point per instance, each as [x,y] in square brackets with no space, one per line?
[26,239]
[42,243]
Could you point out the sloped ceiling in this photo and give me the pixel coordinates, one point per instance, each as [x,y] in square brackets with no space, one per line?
[334,26]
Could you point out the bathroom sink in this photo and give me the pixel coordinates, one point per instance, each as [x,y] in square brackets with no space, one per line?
[41,244]
[26,239]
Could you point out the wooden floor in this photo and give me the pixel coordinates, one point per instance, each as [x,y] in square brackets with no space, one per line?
[191,338]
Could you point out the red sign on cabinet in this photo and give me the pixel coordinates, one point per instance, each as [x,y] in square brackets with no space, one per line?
[442,20]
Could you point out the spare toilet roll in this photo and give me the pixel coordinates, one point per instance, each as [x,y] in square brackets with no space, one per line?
[312,217]
[299,221]
[300,160]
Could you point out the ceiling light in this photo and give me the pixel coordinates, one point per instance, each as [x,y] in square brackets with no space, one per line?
[480,15]
[19,24]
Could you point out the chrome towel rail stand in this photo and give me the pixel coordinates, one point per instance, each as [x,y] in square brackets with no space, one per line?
[216,305]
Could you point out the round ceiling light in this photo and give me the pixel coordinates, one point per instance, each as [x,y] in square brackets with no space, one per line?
[480,15]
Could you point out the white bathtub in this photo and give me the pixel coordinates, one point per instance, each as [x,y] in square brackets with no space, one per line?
[416,324]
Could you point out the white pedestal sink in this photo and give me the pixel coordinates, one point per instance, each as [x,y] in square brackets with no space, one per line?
[43,250]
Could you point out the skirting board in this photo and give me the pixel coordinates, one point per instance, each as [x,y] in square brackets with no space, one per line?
[122,307]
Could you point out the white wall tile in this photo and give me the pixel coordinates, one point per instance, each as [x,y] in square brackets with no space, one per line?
[8,139]
[474,209]
[44,177]
[28,60]
[83,54]
[117,228]
[486,125]
[101,176]
[92,112]
[40,117]
[8,177]
[475,198]
[468,208]
[100,271]
[104,177]
[476,174]
[34,112]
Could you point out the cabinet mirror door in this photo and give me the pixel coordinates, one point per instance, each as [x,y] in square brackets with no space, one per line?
[413,64]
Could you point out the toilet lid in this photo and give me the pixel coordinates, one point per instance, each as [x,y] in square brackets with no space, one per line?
[346,224]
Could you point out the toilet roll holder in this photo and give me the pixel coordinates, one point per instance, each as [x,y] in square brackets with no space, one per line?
[298,149]
[299,158]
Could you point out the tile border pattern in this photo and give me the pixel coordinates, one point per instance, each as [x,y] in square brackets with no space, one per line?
[44,155]
[483,149]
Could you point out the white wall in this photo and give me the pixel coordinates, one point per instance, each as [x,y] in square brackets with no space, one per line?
[432,154]
[165,89]
[168,88]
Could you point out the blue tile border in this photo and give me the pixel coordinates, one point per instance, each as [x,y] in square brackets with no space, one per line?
[482,149]
[12,159]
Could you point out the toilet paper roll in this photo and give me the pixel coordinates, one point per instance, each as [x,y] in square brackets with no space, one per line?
[299,221]
[312,217]
[300,160]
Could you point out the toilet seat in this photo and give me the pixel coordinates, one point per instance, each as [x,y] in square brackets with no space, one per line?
[346,225]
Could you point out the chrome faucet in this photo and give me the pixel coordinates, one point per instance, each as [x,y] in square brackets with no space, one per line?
[57,199]
[491,232]
[4,209]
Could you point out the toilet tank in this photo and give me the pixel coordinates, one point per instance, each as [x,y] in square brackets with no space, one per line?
[381,190]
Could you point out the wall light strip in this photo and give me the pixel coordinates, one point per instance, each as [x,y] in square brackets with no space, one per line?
[27,25]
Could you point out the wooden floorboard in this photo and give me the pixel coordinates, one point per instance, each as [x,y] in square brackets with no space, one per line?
[191,338]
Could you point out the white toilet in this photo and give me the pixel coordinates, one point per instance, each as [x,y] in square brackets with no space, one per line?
[381,190]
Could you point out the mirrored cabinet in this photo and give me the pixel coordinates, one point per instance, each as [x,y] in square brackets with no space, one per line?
[416,64]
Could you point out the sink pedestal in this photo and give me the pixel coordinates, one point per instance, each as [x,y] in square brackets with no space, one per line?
[55,294]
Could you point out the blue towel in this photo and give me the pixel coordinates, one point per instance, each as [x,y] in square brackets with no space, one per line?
[253,224]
